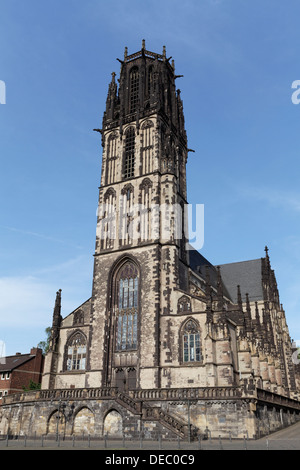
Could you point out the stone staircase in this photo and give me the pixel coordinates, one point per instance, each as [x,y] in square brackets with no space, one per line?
[155,413]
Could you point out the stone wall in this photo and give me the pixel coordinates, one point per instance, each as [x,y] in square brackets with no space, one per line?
[72,414]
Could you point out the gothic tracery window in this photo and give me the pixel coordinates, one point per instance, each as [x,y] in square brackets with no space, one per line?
[145,210]
[127,307]
[107,226]
[184,305]
[134,89]
[111,167]
[76,352]
[147,145]
[78,318]
[126,224]
[191,342]
[129,153]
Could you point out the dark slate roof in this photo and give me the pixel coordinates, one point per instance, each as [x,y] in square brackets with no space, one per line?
[9,363]
[198,264]
[247,274]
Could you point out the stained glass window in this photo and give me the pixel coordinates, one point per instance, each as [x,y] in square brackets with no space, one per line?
[76,353]
[191,343]
[127,312]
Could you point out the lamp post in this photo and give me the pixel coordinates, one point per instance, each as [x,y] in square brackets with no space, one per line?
[60,405]
[60,413]
[189,403]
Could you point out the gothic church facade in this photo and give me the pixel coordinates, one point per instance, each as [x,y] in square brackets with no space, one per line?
[167,343]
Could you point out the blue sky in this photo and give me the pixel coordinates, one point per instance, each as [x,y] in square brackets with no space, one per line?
[239,59]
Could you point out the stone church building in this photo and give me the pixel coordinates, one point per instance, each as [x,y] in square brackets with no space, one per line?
[168,343]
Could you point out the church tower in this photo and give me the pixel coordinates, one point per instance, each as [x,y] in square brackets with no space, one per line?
[164,329]
[140,254]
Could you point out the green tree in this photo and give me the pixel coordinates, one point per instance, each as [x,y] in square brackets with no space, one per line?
[44,345]
[32,386]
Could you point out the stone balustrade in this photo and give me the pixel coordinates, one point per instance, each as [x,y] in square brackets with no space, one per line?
[133,397]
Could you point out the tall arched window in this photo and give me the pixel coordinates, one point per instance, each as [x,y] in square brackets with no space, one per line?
[111,165]
[127,301]
[76,352]
[191,342]
[129,153]
[134,89]
[147,146]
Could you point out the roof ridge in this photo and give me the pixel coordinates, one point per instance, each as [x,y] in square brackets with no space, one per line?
[238,262]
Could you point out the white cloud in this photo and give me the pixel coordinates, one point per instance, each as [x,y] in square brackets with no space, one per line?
[274,197]
[28,300]
[25,301]
[39,235]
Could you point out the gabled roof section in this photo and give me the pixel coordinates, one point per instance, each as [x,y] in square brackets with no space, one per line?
[198,264]
[9,363]
[246,274]
[77,308]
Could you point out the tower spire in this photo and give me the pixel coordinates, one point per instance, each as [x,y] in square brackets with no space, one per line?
[208,290]
[267,256]
[57,318]
[248,320]
[239,298]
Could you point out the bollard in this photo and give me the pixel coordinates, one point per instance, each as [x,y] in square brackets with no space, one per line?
[267,444]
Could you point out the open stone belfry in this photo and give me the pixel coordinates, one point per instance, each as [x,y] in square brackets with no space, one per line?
[168,343]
